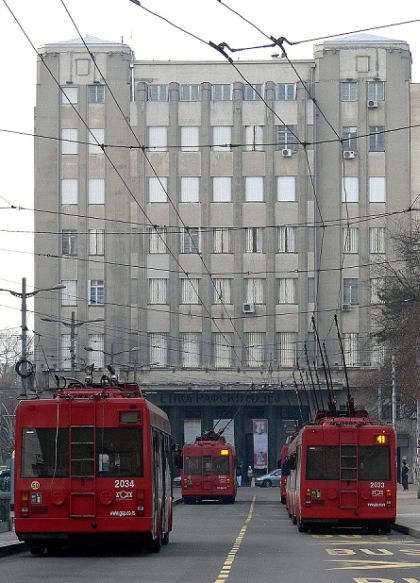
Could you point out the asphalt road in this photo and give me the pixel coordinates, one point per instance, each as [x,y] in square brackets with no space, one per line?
[252,540]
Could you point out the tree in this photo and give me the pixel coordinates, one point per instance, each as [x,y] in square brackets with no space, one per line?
[10,388]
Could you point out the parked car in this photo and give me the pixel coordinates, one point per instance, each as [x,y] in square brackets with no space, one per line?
[5,480]
[176,482]
[267,480]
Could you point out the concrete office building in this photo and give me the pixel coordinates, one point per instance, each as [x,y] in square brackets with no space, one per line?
[205,220]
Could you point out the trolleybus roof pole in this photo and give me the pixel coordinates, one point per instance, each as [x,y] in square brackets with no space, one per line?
[350,402]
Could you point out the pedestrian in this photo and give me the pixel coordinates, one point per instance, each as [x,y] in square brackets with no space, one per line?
[239,474]
[404,475]
[250,475]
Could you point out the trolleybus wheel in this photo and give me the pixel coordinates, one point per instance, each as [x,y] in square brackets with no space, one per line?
[36,548]
[385,528]
[155,544]
[302,526]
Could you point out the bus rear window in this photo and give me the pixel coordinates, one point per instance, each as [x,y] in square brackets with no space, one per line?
[374,462]
[322,462]
[207,465]
[119,452]
[193,465]
[45,453]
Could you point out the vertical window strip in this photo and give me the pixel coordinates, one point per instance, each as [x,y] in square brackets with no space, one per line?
[223,350]
[255,290]
[287,290]
[190,350]
[158,349]
[287,240]
[96,356]
[221,288]
[158,290]
[65,353]
[287,349]
[157,240]
[350,240]
[221,240]
[68,294]
[255,349]
[351,349]
[377,239]
[253,240]
[189,291]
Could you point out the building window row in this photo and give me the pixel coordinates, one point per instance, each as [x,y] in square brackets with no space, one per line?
[222,92]
[96,242]
[376,189]
[349,90]
[95,94]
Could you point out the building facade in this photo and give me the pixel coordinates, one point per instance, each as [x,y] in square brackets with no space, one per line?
[201,220]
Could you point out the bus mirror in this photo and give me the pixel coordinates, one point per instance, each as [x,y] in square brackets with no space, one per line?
[292,462]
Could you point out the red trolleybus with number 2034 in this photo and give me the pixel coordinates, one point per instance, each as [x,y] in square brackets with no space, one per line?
[95,461]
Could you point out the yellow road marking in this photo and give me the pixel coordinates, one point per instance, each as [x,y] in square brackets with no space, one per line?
[357,564]
[227,565]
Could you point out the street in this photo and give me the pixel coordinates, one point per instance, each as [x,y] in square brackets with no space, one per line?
[251,540]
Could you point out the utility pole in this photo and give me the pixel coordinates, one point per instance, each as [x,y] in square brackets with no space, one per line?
[72,325]
[418,449]
[394,394]
[24,366]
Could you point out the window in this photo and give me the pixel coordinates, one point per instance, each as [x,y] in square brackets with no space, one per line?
[69,191]
[158,349]
[376,90]
[221,290]
[158,290]
[221,240]
[351,349]
[376,139]
[287,240]
[287,290]
[157,188]
[222,138]
[45,452]
[69,242]
[96,292]
[96,93]
[96,136]
[286,188]
[286,342]
[255,290]
[221,92]
[255,349]
[351,291]
[222,189]
[350,189]
[376,288]
[119,452]
[157,240]
[96,193]
[350,240]
[190,189]
[377,189]
[189,93]
[322,462]
[349,91]
[96,241]
[349,138]
[374,462]
[189,138]
[253,92]
[96,355]
[190,240]
[158,138]
[189,291]
[157,93]
[69,141]
[376,239]
[222,350]
[285,91]
[65,351]
[69,95]
[190,350]
[254,138]
[286,137]
[253,242]
[254,188]
[68,294]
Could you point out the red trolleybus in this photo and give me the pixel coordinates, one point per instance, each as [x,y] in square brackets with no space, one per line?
[209,470]
[342,472]
[95,461]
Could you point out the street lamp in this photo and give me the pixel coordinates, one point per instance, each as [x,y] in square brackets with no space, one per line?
[72,325]
[24,350]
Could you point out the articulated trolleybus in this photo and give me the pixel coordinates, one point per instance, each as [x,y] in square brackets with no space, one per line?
[209,469]
[92,462]
[342,472]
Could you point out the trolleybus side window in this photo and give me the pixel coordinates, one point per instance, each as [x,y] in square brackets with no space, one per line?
[119,452]
[322,462]
[45,453]
[374,462]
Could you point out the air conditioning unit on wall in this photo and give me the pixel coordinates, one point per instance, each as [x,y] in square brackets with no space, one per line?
[372,104]
[286,153]
[349,154]
[248,308]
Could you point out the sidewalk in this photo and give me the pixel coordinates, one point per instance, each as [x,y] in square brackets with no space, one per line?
[408,520]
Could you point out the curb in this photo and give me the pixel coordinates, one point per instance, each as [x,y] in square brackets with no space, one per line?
[13,549]
[406,530]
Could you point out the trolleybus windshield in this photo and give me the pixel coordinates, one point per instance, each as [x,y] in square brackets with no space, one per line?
[119,452]
[322,462]
[206,465]
[45,453]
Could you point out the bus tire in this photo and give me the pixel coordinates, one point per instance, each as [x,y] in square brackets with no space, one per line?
[154,544]
[36,548]
[283,499]
[385,527]
[302,526]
